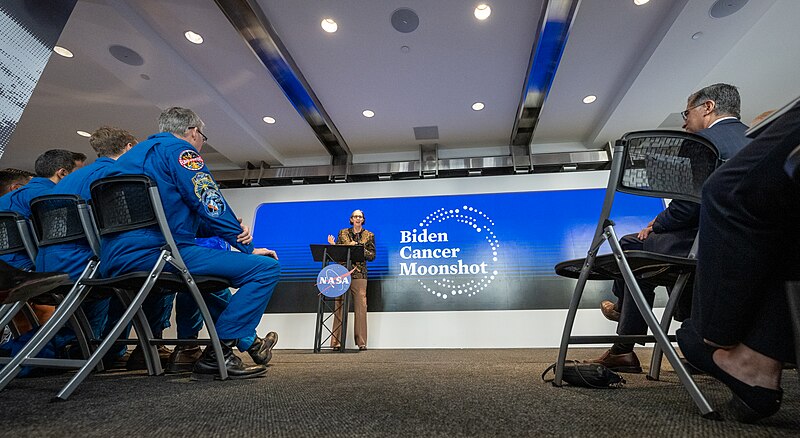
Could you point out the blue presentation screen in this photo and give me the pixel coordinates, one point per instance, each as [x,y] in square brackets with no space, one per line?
[457,252]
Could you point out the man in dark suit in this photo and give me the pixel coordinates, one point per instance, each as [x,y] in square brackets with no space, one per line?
[712,113]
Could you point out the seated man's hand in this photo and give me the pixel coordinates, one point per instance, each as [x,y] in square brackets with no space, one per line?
[646,230]
[245,237]
[331,240]
[265,252]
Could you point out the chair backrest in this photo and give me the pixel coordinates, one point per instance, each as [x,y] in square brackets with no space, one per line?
[664,164]
[123,203]
[63,218]
[130,202]
[15,234]
[56,219]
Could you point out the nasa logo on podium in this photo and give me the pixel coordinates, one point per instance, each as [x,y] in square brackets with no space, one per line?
[333,280]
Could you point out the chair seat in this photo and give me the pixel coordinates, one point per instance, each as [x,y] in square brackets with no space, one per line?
[167,280]
[659,269]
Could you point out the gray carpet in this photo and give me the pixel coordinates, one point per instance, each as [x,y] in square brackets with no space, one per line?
[380,393]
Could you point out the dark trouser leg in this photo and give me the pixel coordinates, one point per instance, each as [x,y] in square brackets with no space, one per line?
[748,245]
[628,242]
[630,319]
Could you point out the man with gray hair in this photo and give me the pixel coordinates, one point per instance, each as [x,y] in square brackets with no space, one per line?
[712,113]
[191,199]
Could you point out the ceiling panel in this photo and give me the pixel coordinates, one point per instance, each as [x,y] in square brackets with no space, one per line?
[453,60]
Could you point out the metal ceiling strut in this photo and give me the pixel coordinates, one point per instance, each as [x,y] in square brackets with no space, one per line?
[251,23]
[554,26]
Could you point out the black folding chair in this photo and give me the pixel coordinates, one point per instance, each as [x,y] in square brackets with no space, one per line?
[59,219]
[662,164]
[131,202]
[15,236]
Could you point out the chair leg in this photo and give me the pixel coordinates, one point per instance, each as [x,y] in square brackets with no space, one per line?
[4,309]
[83,333]
[9,311]
[210,327]
[30,315]
[40,339]
[666,321]
[143,335]
[127,317]
[661,338]
[572,312]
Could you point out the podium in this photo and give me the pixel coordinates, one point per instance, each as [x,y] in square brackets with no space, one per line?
[345,255]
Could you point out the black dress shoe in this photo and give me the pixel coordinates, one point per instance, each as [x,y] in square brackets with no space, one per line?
[207,365]
[136,360]
[621,363]
[749,403]
[183,358]
[261,350]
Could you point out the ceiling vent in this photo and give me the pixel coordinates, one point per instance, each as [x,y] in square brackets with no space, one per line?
[126,55]
[405,20]
[426,132]
[723,8]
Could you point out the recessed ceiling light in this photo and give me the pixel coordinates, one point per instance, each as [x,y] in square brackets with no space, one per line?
[83,133]
[328,25]
[368,113]
[483,11]
[697,35]
[63,52]
[193,37]
[477,106]
[590,98]
[640,2]
[269,120]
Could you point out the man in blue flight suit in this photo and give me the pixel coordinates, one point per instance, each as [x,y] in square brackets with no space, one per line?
[190,197]
[109,143]
[51,167]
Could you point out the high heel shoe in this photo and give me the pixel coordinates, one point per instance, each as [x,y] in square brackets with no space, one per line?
[749,403]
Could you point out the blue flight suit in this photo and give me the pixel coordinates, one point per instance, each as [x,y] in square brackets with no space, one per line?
[191,196]
[19,201]
[188,319]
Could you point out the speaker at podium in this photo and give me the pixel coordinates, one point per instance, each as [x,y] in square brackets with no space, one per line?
[334,281]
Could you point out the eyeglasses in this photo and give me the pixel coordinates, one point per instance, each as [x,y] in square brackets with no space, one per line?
[357,216]
[685,113]
[205,139]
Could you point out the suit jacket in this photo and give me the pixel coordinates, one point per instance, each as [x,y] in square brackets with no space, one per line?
[366,238]
[677,224]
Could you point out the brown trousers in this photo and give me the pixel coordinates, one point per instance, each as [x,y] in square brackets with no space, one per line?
[359,290]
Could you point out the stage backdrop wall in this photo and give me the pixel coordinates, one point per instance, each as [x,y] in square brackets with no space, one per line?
[461,263]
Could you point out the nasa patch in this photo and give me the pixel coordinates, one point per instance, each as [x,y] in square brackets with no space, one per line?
[191,160]
[203,182]
[213,202]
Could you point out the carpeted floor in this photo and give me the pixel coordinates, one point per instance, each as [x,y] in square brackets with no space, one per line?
[380,393]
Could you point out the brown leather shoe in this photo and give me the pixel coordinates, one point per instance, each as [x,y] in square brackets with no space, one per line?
[183,358]
[136,360]
[610,310]
[621,363]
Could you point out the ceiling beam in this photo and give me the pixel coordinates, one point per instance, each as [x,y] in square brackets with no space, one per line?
[251,23]
[554,26]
